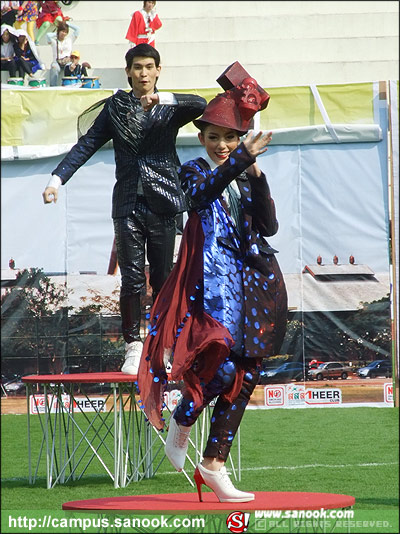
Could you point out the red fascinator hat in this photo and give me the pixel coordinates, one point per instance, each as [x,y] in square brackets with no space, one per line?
[236,107]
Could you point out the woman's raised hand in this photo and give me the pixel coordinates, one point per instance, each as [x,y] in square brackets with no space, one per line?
[257,144]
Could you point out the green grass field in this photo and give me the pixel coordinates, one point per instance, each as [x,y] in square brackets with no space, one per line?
[353,451]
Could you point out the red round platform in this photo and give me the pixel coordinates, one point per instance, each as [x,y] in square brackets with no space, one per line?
[185,502]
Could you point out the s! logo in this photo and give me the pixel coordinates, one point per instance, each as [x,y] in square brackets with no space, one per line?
[238,522]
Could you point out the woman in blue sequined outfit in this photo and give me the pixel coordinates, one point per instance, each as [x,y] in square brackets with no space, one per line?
[224,306]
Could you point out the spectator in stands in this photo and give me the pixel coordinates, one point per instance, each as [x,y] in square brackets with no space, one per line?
[61,42]
[147,193]
[7,50]
[49,13]
[27,14]
[27,57]
[9,12]
[143,25]
[73,68]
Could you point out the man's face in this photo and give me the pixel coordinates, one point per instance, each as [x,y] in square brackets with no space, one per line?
[219,142]
[143,73]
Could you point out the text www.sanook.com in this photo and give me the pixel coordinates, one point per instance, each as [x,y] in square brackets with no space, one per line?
[304,514]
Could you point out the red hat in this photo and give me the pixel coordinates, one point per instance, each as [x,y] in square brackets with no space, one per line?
[236,107]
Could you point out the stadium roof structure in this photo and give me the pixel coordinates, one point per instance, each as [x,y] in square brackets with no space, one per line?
[306,292]
[339,271]
[335,288]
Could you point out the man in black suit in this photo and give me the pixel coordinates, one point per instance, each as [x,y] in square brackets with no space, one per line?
[143,125]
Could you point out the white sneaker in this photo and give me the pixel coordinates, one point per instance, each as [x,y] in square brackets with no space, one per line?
[176,444]
[133,353]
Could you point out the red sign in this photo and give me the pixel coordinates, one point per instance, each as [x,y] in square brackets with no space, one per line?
[274,395]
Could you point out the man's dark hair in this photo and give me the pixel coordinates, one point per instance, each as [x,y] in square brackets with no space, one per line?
[144,2]
[142,50]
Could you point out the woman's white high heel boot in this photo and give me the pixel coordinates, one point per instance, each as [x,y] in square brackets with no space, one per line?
[221,485]
[176,444]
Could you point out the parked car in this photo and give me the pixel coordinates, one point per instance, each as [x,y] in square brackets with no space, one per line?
[313,364]
[12,385]
[286,372]
[376,368]
[329,370]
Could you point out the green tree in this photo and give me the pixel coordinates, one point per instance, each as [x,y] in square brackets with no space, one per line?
[368,334]
[34,294]
[34,318]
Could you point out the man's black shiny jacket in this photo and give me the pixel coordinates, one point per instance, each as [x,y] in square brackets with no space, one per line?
[144,146]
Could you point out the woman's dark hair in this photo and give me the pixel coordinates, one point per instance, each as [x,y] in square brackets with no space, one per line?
[62,27]
[203,125]
[144,2]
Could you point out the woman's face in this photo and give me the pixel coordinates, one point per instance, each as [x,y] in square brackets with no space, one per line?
[6,36]
[219,142]
[62,34]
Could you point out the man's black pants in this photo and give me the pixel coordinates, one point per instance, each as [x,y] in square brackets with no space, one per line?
[142,231]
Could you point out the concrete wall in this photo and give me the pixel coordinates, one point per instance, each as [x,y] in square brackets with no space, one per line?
[280,43]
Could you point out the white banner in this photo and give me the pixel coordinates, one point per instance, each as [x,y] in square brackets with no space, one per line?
[294,395]
[37,404]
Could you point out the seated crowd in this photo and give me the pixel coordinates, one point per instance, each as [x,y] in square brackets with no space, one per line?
[19,53]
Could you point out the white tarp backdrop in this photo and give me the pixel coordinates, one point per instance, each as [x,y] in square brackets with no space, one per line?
[332,199]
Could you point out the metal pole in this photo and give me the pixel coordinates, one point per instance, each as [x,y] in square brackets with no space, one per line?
[29,434]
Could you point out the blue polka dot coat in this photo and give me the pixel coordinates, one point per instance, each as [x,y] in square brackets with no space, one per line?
[243,287]
[226,292]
